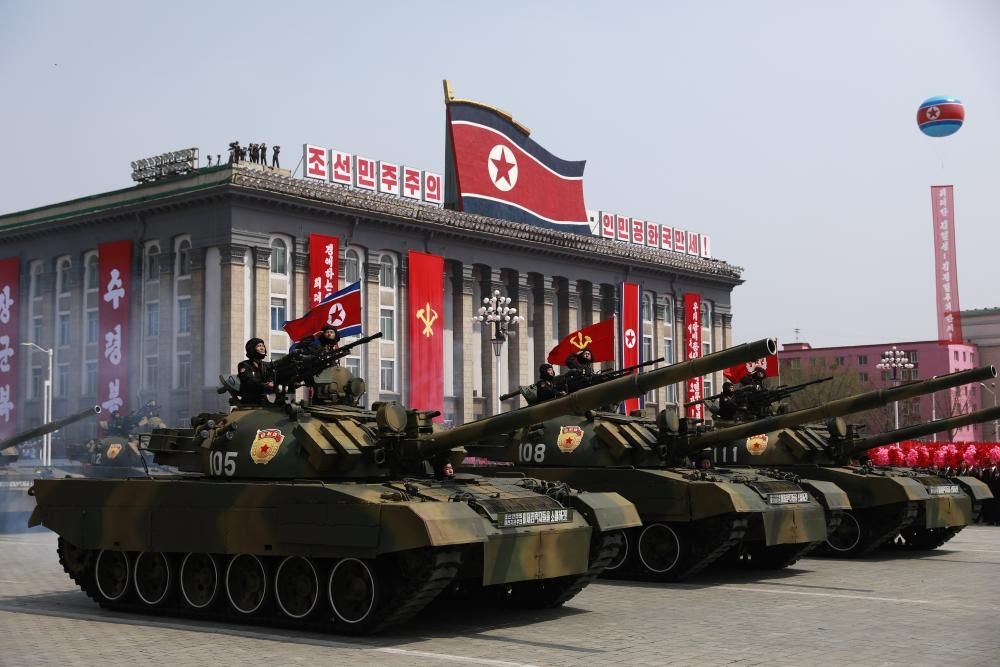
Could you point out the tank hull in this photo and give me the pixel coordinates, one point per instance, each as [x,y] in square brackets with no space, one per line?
[387,528]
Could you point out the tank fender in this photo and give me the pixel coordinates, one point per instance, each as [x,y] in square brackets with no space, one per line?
[828,494]
[606,511]
[425,524]
[975,488]
[710,499]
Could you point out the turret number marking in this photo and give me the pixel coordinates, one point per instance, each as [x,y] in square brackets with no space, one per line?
[530,453]
[222,463]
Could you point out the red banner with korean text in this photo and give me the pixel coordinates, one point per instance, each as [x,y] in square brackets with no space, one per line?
[631,326]
[426,331]
[324,252]
[692,347]
[10,295]
[114,268]
[945,265]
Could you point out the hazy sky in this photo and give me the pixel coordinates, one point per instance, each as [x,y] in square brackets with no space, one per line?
[785,130]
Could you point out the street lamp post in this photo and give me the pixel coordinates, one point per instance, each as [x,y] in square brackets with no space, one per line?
[46,405]
[895,359]
[996,422]
[496,310]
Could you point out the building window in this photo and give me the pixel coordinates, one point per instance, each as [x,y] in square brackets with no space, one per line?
[184,258]
[183,370]
[153,319]
[862,360]
[91,271]
[90,379]
[839,361]
[387,375]
[35,287]
[915,374]
[151,265]
[35,386]
[62,379]
[387,317]
[352,267]
[353,364]
[92,326]
[184,315]
[956,355]
[794,364]
[647,308]
[63,332]
[387,272]
[863,377]
[151,374]
[668,358]
[62,275]
[886,376]
[279,257]
[36,329]
[278,318]
[911,356]
[668,312]
[964,356]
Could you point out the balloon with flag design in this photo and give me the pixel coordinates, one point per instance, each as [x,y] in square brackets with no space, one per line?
[940,116]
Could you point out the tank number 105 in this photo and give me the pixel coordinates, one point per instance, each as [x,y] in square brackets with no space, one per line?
[222,463]
[530,453]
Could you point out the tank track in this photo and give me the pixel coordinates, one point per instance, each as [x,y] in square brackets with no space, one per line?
[924,539]
[879,525]
[417,583]
[780,556]
[551,593]
[732,531]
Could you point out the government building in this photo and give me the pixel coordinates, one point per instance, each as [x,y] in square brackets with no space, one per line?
[220,255]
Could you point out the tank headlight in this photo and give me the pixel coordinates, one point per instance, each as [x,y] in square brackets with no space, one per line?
[943,489]
[787,498]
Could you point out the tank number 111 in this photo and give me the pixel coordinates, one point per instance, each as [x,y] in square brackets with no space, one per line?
[222,463]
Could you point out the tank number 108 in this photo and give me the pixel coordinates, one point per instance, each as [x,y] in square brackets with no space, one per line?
[222,463]
[530,453]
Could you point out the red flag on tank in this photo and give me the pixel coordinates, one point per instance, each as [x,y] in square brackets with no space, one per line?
[598,338]
[739,371]
[342,309]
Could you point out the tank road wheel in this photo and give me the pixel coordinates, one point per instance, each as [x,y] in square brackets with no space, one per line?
[152,578]
[111,574]
[353,593]
[618,561]
[199,577]
[660,549]
[78,563]
[846,537]
[296,587]
[246,583]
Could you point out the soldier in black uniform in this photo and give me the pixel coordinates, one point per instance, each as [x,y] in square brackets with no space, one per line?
[256,376]
[728,408]
[274,158]
[582,361]
[546,387]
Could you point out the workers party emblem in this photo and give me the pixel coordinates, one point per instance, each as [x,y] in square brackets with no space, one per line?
[757,444]
[569,438]
[266,445]
[114,449]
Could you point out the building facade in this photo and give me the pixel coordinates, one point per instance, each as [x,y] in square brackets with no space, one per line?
[220,256]
[929,358]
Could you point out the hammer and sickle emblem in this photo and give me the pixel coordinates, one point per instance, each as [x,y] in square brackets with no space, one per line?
[428,316]
[580,341]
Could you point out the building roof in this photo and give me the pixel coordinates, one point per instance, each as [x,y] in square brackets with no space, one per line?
[979,312]
[253,181]
[797,347]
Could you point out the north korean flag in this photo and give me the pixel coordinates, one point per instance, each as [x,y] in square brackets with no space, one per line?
[500,172]
[342,309]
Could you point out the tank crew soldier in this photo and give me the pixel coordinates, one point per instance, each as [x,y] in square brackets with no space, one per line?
[328,338]
[703,460]
[256,377]
[727,407]
[582,361]
[116,425]
[546,387]
[755,379]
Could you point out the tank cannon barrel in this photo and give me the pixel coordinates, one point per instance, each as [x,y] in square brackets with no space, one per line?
[38,431]
[843,406]
[919,430]
[590,398]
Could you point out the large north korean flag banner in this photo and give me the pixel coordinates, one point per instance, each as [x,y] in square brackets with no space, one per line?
[497,170]
[692,347]
[10,285]
[426,331]
[630,324]
[342,309]
[946,264]
[323,267]
[114,264]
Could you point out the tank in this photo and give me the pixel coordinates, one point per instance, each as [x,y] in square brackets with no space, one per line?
[118,453]
[328,516]
[885,502]
[691,517]
[16,478]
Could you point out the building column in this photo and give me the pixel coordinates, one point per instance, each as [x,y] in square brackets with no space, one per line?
[585,294]
[262,292]
[233,259]
[299,298]
[544,298]
[489,280]
[521,358]
[197,392]
[372,368]
[609,306]
[572,308]
[727,330]
[464,309]
[660,304]
[166,358]
[403,316]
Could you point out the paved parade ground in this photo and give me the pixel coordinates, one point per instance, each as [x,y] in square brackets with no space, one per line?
[938,608]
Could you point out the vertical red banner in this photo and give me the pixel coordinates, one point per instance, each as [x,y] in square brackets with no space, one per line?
[114,267]
[324,268]
[10,285]
[628,297]
[426,326]
[945,264]
[692,346]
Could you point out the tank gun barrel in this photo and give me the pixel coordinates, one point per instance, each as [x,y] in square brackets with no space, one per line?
[590,398]
[919,430]
[843,406]
[38,431]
